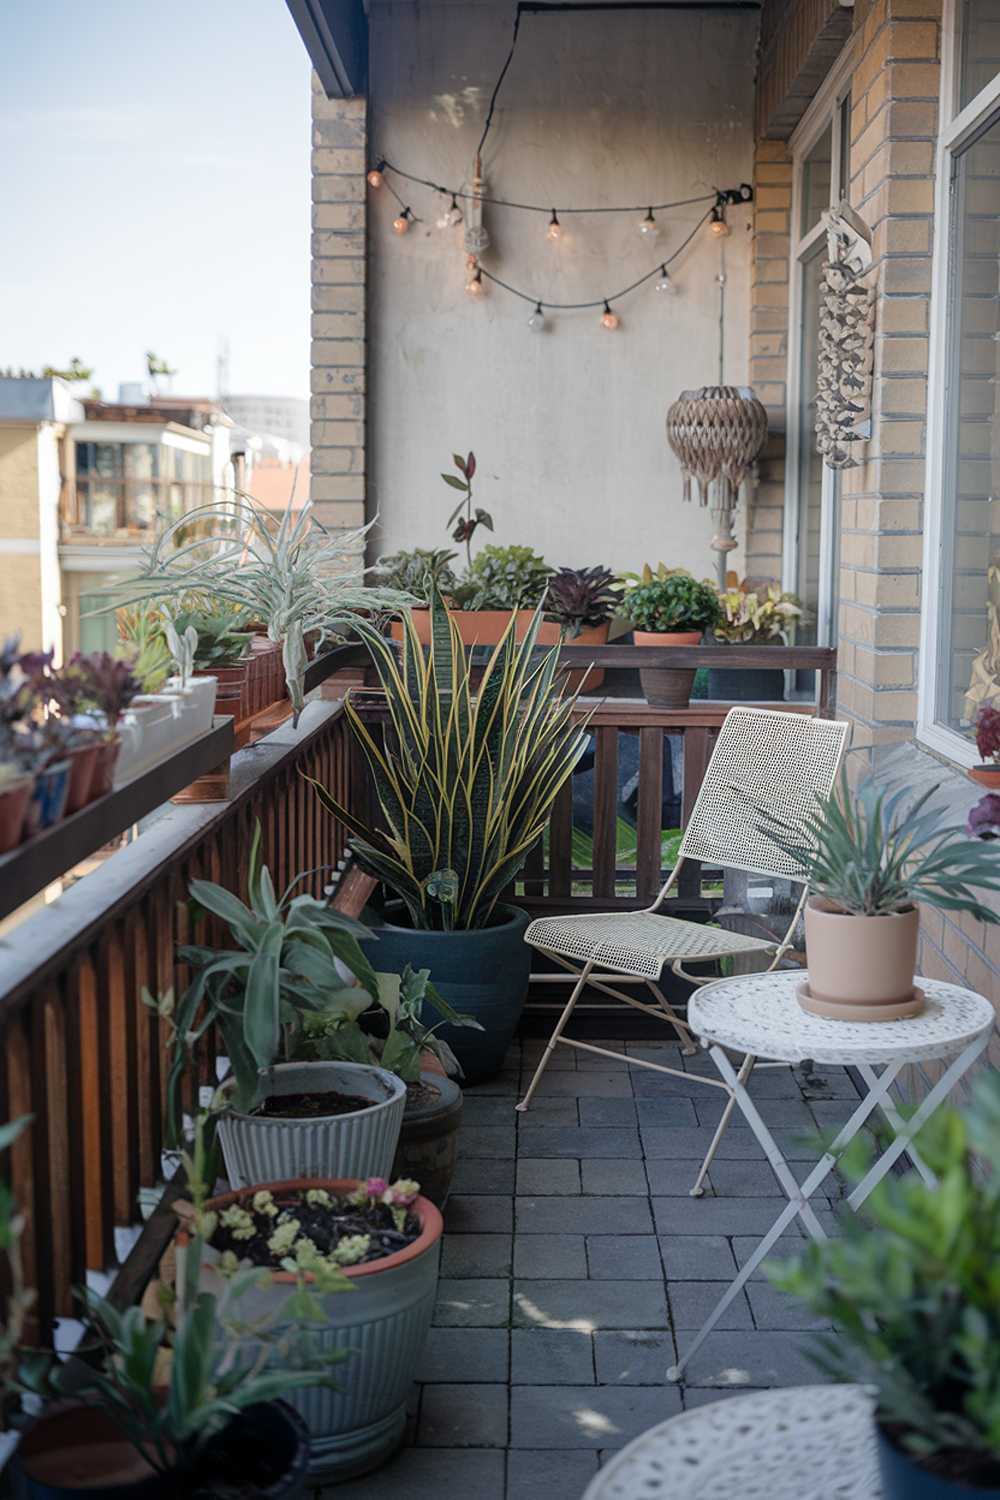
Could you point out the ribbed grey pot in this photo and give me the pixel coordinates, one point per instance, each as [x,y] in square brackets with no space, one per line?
[382,1326]
[260,1148]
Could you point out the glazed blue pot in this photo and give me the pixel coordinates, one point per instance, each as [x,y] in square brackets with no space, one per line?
[483,973]
[904,1479]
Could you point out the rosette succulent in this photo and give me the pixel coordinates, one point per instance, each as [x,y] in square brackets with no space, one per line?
[580,598]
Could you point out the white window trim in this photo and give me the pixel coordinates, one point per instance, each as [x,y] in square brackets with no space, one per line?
[953,131]
[822,110]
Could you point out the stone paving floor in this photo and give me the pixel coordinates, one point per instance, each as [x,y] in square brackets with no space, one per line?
[575,1263]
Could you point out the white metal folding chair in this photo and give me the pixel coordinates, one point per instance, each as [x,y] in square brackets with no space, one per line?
[764,761]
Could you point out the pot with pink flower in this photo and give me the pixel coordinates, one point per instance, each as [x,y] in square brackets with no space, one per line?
[987,773]
[379,1240]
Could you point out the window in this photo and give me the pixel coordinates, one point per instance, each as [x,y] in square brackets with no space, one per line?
[133,488]
[960,655]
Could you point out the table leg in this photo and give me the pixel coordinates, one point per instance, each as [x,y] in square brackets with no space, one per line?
[897,1123]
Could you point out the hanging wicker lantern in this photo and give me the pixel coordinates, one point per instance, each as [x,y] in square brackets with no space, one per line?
[717,433]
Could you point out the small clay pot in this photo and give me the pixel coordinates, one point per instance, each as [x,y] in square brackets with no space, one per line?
[987,774]
[860,968]
[82,764]
[13,805]
[104,767]
[667,687]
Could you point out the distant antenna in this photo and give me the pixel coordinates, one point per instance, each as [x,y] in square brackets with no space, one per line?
[222,368]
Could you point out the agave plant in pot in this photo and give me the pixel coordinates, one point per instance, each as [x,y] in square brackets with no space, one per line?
[872,857]
[465,783]
[910,1288]
[582,602]
[293,957]
[669,611]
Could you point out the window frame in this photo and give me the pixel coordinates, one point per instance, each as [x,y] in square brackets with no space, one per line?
[956,129]
[824,112]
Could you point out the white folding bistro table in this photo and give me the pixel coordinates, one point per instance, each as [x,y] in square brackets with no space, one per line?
[757,1016]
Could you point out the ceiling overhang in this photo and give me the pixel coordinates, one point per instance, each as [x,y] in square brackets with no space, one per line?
[335,33]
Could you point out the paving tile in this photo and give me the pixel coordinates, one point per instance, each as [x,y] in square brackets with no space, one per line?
[669,1112]
[715,1215]
[667,1053]
[607,1112]
[784,1114]
[489,1110]
[562,1111]
[831,1114]
[775,1083]
[476,1255]
[675,1179]
[778,1310]
[694,1395]
[427,1474]
[633,1357]
[491,1141]
[613,1176]
[746,1179]
[737,1144]
[548,1177]
[480,1213]
[696,1257]
[607,1417]
[481,1177]
[506,1082]
[551,1255]
[757,1359]
[563,1058]
[598,1304]
[559,1474]
[593,1140]
[583,1215]
[624,1257]
[692,1302]
[588,1082]
[551,1356]
[650,1087]
[472,1354]
[463,1416]
[483,1303]
[585,1059]
[785,1246]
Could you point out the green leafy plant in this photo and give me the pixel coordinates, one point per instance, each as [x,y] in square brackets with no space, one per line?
[762,614]
[580,598]
[283,967]
[218,644]
[912,1286]
[677,602]
[871,851]
[143,646]
[465,783]
[504,578]
[402,1036]
[464,527]
[418,571]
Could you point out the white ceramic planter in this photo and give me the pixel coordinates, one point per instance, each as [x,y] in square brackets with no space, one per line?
[383,1324]
[197,702]
[259,1148]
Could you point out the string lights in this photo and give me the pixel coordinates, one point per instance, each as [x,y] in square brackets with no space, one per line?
[610,320]
[648,227]
[401,222]
[554,230]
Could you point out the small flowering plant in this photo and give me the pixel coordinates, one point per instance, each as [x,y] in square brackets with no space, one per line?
[984,819]
[988,734]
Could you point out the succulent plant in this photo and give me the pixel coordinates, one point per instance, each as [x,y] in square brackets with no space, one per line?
[580,598]
[217,643]
[676,602]
[417,571]
[762,614]
[504,578]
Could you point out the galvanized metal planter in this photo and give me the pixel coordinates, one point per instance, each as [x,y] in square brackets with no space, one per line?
[383,1323]
[271,1149]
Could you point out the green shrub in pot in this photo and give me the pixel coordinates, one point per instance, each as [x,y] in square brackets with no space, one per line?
[670,611]
[465,784]
[504,578]
[912,1288]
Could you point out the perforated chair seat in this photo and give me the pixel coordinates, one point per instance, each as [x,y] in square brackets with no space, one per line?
[639,942]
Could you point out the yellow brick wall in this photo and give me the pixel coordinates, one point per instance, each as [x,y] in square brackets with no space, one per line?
[769,348]
[20,573]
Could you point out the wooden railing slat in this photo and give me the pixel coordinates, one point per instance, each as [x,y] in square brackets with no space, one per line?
[648,872]
[605,810]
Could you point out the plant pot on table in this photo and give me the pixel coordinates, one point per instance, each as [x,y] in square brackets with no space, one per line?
[903,1478]
[14,797]
[860,968]
[666,687]
[383,1323]
[986,774]
[358,1143]
[482,973]
[428,1142]
[82,766]
[480,627]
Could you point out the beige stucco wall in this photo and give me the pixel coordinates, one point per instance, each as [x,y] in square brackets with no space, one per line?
[20,569]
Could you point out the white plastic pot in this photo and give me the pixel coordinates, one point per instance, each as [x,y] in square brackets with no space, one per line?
[197,702]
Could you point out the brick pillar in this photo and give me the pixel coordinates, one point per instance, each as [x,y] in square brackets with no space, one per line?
[893,124]
[339,136]
[769,348]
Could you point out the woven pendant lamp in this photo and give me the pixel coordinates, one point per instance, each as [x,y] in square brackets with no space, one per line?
[717,433]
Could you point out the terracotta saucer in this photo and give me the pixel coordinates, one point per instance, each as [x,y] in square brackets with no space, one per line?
[847,1010]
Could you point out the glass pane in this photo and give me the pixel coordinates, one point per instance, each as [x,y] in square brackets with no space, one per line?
[98,503]
[816,171]
[98,632]
[980,54]
[140,493]
[968,665]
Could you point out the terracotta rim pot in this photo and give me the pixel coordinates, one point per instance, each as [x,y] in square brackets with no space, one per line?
[860,968]
[987,774]
[580,679]
[13,805]
[480,627]
[82,766]
[104,767]
[667,687]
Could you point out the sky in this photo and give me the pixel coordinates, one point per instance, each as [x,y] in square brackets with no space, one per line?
[154,190]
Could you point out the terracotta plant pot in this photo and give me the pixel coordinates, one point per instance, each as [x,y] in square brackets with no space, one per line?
[987,774]
[82,765]
[667,687]
[480,627]
[104,767]
[233,695]
[579,678]
[13,806]
[383,1324]
[860,968]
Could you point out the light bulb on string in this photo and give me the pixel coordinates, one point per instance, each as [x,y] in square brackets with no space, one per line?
[474,286]
[717,223]
[664,283]
[376,175]
[451,215]
[609,319]
[554,230]
[648,227]
[401,222]
[537,320]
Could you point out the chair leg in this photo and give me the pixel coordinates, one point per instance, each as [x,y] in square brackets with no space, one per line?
[699,1183]
[681,1027]
[554,1038]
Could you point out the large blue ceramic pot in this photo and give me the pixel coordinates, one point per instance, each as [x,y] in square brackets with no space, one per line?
[904,1479]
[483,973]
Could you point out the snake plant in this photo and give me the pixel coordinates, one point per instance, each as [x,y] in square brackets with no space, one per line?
[465,782]
[293,574]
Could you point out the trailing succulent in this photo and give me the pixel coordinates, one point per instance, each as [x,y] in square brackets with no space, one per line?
[504,578]
[580,598]
[677,602]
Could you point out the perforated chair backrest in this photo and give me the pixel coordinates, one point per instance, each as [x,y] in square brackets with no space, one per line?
[764,761]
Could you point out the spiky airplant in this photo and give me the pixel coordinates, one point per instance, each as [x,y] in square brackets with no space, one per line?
[580,598]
